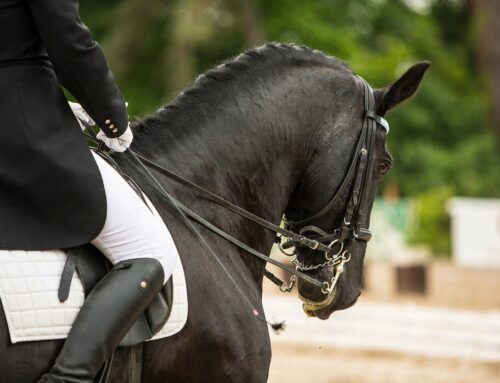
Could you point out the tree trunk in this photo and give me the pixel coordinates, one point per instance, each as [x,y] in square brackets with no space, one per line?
[194,24]
[487,16]
[250,22]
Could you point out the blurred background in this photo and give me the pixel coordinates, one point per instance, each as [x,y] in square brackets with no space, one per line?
[431,306]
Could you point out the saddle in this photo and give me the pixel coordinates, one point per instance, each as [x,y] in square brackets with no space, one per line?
[92,266]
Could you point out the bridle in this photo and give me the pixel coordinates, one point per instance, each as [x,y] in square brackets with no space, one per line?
[355,221]
[355,225]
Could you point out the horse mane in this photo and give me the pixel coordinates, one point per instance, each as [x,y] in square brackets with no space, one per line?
[270,57]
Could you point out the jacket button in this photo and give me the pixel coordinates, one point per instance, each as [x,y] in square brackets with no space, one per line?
[114,130]
[107,122]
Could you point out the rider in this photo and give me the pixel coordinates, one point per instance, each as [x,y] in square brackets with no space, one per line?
[54,193]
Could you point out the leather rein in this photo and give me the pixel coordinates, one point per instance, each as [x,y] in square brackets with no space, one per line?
[354,226]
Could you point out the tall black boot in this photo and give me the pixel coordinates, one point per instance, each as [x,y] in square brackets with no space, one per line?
[107,314]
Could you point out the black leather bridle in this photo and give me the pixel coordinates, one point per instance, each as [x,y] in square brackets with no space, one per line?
[355,225]
[355,222]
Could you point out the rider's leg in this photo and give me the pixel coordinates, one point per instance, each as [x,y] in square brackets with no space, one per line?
[144,255]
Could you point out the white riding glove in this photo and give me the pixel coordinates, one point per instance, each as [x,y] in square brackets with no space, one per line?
[81,114]
[119,144]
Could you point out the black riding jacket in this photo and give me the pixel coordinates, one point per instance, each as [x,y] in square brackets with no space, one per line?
[51,192]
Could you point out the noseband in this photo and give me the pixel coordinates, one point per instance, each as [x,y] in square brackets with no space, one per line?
[355,225]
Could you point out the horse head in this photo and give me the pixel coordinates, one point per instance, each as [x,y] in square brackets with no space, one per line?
[280,130]
[350,167]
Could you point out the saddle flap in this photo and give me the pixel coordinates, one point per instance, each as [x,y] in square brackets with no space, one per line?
[153,319]
[92,266]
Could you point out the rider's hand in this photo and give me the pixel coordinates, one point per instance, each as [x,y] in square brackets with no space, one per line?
[81,114]
[119,144]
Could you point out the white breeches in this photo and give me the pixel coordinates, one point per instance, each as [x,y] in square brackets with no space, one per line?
[131,230]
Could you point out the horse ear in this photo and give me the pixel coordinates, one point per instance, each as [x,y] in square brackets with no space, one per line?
[405,87]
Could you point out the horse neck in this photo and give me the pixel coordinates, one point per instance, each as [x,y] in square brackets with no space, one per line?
[250,149]
[248,164]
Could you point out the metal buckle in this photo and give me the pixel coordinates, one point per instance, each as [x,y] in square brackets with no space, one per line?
[329,258]
[310,243]
[362,234]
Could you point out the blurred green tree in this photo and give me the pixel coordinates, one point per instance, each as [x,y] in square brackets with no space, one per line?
[428,218]
[441,140]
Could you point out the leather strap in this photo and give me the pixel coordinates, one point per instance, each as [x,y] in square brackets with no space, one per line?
[230,238]
[273,278]
[66,277]
[340,191]
[304,241]
[356,208]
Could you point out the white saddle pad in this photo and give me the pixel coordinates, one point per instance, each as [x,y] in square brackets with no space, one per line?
[29,281]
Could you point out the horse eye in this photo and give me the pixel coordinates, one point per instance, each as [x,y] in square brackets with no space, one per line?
[383,168]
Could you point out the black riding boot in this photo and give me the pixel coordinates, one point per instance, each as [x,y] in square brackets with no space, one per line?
[109,311]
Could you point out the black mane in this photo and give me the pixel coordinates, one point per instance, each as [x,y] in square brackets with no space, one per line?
[238,71]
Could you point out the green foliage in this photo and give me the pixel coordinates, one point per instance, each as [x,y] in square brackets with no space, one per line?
[443,132]
[430,224]
[441,140]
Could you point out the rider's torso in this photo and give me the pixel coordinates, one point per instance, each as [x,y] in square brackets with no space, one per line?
[48,180]
[20,40]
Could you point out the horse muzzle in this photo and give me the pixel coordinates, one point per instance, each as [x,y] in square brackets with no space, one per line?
[312,308]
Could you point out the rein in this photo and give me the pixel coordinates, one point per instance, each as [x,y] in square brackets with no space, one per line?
[268,225]
[354,225]
[142,161]
[300,239]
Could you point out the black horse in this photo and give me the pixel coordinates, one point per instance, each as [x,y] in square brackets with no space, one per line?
[273,131]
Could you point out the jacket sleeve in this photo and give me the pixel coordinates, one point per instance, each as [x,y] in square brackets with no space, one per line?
[79,63]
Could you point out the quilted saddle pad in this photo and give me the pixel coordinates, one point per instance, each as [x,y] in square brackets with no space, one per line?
[29,281]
